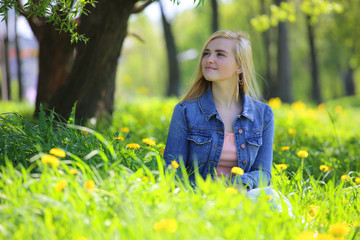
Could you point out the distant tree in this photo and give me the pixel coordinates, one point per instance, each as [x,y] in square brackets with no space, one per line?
[215,16]
[173,88]
[81,72]
[5,69]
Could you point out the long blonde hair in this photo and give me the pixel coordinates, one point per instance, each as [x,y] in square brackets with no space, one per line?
[243,54]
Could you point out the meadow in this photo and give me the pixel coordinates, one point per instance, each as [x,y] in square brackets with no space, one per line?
[59,180]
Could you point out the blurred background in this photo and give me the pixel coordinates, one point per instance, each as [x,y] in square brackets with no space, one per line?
[303,50]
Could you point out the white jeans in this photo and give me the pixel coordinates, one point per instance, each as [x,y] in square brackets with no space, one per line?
[276,199]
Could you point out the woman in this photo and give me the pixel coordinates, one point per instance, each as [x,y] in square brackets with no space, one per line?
[219,124]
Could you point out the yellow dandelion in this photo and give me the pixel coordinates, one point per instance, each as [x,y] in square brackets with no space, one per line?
[345,178]
[231,190]
[149,142]
[282,166]
[285,148]
[356,224]
[61,185]
[306,236]
[357,180]
[90,185]
[84,132]
[124,130]
[133,146]
[298,106]
[303,154]
[339,229]
[145,179]
[321,107]
[237,171]
[162,151]
[292,132]
[324,236]
[73,171]
[119,138]
[324,168]
[50,159]
[275,102]
[312,211]
[269,197]
[57,152]
[169,225]
[338,109]
[174,164]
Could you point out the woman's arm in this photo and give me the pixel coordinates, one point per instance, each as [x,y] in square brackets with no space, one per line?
[176,144]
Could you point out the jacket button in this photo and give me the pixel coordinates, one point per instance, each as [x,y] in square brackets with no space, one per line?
[240,131]
[244,162]
[242,146]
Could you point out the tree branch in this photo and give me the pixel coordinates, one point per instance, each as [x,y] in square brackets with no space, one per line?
[141,6]
[136,36]
[22,10]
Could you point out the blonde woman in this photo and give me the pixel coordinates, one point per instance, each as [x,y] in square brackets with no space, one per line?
[219,124]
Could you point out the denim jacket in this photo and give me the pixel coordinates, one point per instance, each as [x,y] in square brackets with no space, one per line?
[196,133]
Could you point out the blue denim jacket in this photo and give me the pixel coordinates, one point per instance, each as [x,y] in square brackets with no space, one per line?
[196,133]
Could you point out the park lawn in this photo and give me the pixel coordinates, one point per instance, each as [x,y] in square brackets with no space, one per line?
[62,181]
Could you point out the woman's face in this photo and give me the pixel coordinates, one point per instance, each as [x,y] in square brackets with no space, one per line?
[218,62]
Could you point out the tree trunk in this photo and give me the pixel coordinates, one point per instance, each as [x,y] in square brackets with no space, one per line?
[173,65]
[5,82]
[18,61]
[284,65]
[349,82]
[92,78]
[270,90]
[55,60]
[215,16]
[316,91]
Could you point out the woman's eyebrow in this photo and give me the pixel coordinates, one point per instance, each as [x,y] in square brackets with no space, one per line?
[217,50]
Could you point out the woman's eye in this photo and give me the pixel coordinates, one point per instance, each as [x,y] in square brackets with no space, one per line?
[206,53]
[221,54]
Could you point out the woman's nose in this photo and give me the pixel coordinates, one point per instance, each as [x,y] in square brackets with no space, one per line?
[210,60]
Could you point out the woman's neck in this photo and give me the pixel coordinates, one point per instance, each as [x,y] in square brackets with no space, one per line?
[223,96]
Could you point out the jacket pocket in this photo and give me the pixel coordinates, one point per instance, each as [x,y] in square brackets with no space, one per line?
[199,148]
[254,142]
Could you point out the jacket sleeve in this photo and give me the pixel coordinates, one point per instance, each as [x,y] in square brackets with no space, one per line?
[176,144]
[260,172]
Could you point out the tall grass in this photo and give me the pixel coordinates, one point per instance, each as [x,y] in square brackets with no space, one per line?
[111,183]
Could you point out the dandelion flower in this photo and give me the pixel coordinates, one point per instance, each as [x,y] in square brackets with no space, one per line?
[312,211]
[90,185]
[133,146]
[57,152]
[162,151]
[145,179]
[324,168]
[119,138]
[268,197]
[124,130]
[231,190]
[282,166]
[149,142]
[339,229]
[61,185]
[237,171]
[73,171]
[307,236]
[298,106]
[357,180]
[345,178]
[275,102]
[323,236]
[50,159]
[285,148]
[338,109]
[169,225]
[321,107]
[84,132]
[174,164]
[292,132]
[303,154]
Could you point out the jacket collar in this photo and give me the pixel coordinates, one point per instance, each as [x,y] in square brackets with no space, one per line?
[208,109]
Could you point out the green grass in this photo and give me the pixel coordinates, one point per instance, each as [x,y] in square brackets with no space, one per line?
[134,198]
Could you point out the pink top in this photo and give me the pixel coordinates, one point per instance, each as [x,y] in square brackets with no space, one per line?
[228,158]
